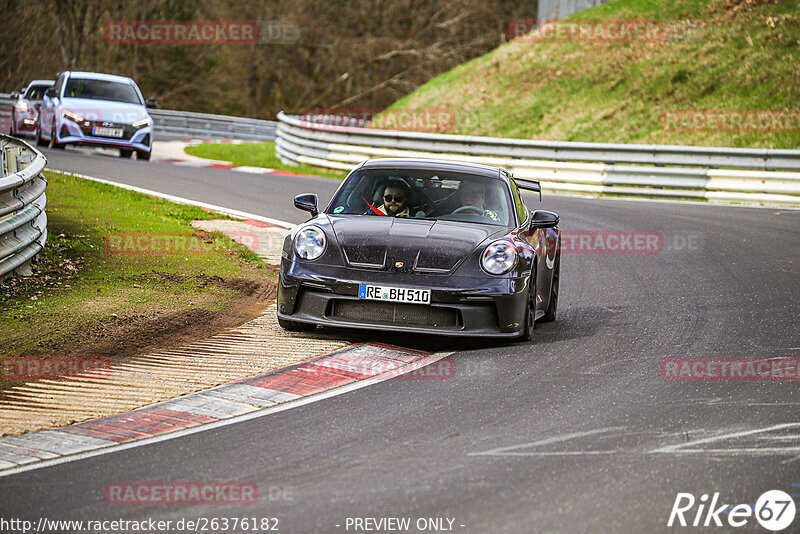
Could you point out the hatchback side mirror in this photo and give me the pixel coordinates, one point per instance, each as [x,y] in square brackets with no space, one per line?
[151,103]
[544,219]
[307,202]
[51,92]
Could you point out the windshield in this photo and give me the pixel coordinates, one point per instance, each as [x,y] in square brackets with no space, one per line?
[36,92]
[101,90]
[423,194]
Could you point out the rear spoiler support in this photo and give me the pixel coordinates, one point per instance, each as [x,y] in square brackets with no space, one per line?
[529,185]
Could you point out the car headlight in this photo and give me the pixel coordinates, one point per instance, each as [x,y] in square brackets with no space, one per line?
[73,116]
[144,122]
[309,243]
[499,257]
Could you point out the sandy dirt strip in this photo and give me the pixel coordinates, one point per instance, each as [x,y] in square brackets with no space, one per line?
[253,348]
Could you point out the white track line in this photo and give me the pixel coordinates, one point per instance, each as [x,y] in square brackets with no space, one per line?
[185,201]
[510,451]
[687,447]
[288,405]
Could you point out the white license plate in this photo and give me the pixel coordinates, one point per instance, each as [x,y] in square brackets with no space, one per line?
[101,131]
[394,294]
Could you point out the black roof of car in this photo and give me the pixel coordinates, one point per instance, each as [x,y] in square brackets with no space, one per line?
[433,165]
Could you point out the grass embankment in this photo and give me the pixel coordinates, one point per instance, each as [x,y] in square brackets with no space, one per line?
[122,273]
[255,155]
[716,55]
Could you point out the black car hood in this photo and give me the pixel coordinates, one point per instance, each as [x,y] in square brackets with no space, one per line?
[422,245]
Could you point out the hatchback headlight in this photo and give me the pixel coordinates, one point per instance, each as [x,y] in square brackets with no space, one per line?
[144,122]
[309,243]
[499,257]
[71,115]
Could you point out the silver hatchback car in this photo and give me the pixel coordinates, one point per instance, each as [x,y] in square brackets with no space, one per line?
[94,109]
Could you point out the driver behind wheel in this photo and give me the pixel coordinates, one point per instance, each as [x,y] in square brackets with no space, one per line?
[472,198]
[395,201]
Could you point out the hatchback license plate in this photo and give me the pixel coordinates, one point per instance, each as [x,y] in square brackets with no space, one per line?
[101,131]
[394,294]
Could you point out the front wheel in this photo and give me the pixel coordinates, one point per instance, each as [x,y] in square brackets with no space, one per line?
[53,143]
[125,153]
[530,312]
[294,326]
[552,306]
[142,155]
[39,140]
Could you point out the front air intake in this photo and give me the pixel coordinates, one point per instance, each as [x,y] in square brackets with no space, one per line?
[395,314]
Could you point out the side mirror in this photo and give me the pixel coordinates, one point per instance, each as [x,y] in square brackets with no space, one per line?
[51,92]
[544,219]
[307,202]
[151,103]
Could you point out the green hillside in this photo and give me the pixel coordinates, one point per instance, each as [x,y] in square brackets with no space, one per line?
[728,55]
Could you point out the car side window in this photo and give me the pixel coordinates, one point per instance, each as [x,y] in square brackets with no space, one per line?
[522,211]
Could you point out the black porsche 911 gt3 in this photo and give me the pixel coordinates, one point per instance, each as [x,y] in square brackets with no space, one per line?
[423,246]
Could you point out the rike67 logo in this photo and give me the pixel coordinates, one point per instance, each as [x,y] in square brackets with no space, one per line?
[774,510]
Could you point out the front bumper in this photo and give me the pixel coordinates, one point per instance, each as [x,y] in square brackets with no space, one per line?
[25,123]
[460,306]
[73,133]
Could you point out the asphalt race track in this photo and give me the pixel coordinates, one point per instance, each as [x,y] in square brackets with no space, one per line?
[574,432]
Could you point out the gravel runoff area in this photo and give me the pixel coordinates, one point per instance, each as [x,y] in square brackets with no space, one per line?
[255,347]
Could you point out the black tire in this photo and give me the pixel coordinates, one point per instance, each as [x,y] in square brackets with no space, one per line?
[552,307]
[530,312]
[53,143]
[294,326]
[11,125]
[125,152]
[39,140]
[142,155]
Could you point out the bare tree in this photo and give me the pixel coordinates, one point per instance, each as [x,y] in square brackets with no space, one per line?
[75,22]
[349,53]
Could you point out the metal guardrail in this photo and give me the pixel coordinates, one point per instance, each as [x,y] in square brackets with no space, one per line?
[738,158]
[204,126]
[711,173]
[23,221]
[186,123]
[5,112]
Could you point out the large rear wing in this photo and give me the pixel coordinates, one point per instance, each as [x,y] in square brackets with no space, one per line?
[529,185]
